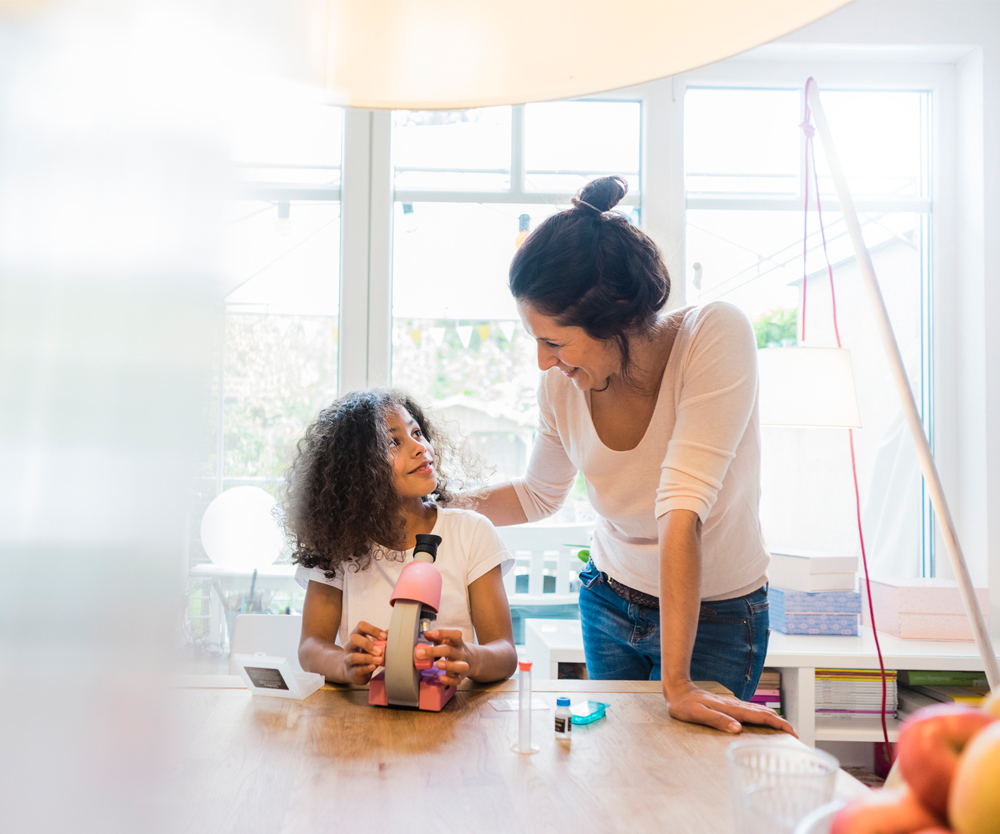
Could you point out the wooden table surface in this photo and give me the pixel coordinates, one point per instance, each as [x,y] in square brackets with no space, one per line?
[333,763]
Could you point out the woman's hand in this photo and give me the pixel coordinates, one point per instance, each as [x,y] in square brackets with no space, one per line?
[724,712]
[455,659]
[361,656]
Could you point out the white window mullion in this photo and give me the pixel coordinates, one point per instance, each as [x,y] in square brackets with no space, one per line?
[662,185]
[380,213]
[354,281]
[517,170]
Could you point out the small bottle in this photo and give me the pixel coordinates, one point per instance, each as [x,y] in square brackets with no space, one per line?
[564,719]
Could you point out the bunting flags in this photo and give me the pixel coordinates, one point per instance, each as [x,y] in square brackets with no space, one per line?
[464,334]
[437,333]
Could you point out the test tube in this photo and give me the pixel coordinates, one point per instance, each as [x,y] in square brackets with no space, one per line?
[524,744]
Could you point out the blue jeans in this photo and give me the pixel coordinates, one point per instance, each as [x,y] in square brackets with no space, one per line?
[622,640]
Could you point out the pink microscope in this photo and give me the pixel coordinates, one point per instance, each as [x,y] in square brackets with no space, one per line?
[406,680]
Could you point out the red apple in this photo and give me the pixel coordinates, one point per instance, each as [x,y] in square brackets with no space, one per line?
[930,743]
[974,804]
[887,811]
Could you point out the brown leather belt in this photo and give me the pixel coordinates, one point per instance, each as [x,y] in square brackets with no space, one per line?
[631,594]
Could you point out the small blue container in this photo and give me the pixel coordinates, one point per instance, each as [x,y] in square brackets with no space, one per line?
[588,712]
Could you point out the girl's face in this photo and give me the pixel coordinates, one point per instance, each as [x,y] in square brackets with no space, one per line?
[412,455]
[589,362]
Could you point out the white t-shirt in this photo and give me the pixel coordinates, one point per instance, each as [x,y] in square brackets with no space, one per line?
[701,452]
[470,548]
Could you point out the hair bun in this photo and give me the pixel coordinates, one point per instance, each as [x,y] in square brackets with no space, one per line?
[603,194]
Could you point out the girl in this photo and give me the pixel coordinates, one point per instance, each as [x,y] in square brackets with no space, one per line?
[365,482]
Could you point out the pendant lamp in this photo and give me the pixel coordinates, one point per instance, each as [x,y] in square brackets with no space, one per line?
[451,54]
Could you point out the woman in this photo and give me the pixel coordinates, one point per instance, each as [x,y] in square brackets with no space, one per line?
[659,412]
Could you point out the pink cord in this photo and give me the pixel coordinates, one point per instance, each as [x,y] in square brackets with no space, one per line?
[808,129]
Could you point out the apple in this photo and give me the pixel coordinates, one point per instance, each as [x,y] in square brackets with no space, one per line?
[886,811]
[930,743]
[974,804]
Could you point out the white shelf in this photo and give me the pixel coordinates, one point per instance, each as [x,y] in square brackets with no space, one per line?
[862,728]
[786,650]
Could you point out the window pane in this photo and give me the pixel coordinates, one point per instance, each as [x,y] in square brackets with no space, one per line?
[452,149]
[568,143]
[754,260]
[283,257]
[457,341]
[280,352]
[748,142]
[295,143]
[881,139]
[742,142]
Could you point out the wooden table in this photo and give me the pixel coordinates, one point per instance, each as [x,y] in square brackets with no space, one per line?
[331,763]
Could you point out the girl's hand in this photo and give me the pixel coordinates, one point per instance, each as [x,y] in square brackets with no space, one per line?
[361,656]
[457,660]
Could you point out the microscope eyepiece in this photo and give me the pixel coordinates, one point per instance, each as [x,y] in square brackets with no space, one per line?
[427,543]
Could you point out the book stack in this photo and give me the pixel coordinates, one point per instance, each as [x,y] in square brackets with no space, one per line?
[769,690]
[925,688]
[854,692]
[814,594]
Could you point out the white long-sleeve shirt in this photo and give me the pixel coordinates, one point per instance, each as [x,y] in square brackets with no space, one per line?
[701,452]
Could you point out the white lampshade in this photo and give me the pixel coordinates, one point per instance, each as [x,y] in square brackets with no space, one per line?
[449,54]
[803,386]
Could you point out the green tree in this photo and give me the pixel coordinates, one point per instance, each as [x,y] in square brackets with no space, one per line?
[776,328]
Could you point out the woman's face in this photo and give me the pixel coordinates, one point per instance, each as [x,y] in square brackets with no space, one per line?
[412,455]
[587,361]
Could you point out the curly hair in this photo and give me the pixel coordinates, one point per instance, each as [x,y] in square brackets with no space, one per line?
[589,267]
[340,503]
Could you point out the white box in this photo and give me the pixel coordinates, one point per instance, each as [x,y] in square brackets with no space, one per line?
[275,677]
[812,573]
[921,609]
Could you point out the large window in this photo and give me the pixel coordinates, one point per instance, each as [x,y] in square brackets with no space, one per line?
[745,193]
[422,212]
[468,186]
[278,352]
